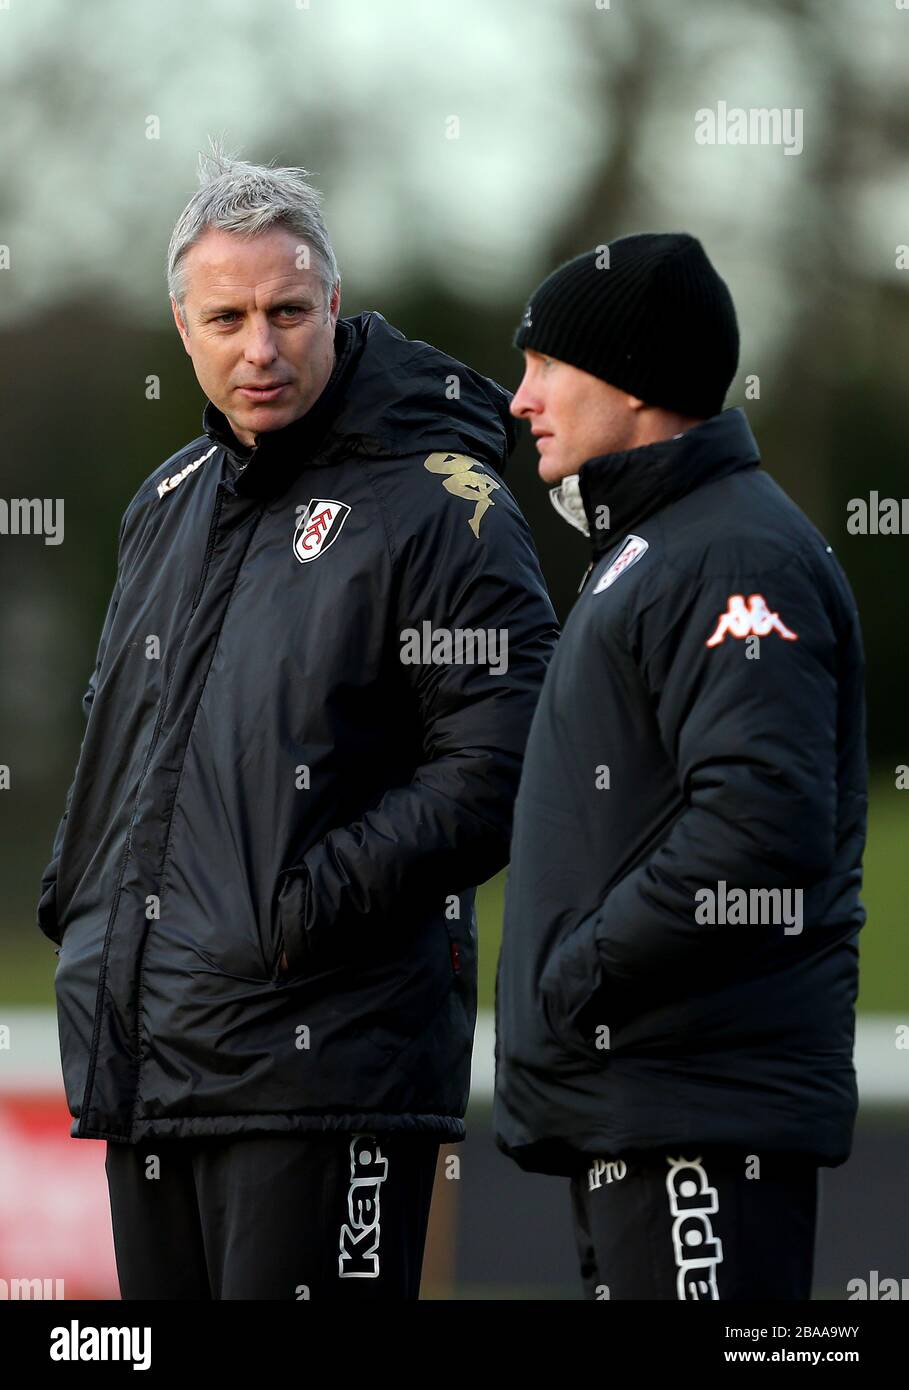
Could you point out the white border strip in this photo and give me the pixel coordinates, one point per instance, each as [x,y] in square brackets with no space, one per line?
[32,1061]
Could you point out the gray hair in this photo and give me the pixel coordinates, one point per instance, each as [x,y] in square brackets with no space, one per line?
[248,199]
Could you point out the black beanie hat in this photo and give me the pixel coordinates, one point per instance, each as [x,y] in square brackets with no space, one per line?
[647,313]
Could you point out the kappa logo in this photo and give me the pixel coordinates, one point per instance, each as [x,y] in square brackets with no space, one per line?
[629,555]
[698,1251]
[318,528]
[753,619]
[359,1252]
[461,481]
[168,484]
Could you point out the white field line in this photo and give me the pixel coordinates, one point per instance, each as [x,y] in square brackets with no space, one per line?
[31,1062]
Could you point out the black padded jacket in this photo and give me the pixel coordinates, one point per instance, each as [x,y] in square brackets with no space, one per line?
[273,765]
[680,955]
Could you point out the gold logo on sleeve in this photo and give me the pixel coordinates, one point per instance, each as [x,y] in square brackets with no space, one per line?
[462,481]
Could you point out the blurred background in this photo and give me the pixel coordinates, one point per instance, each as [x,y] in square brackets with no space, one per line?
[464,150]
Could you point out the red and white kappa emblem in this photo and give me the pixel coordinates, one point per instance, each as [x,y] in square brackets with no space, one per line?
[753,619]
[318,528]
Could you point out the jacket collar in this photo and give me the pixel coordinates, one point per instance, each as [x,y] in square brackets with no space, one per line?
[635,483]
[269,466]
[568,502]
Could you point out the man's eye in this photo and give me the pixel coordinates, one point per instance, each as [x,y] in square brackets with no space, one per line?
[291,310]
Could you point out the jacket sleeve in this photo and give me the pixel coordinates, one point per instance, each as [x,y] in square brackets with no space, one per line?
[47,903]
[449,828]
[754,741]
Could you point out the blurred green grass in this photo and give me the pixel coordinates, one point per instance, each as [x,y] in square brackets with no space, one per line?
[29,960]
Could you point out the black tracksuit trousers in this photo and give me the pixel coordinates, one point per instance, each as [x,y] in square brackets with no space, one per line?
[703,1225]
[272,1216]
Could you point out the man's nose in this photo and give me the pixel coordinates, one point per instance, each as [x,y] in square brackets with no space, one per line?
[259,347]
[521,402]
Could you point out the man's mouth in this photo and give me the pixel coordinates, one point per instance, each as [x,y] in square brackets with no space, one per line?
[540,437]
[263,393]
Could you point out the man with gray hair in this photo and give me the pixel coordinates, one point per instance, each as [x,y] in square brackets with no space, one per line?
[262,887]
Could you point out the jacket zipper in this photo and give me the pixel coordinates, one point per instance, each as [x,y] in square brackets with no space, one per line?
[162,709]
[209,547]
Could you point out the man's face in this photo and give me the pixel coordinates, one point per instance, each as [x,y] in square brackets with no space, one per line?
[574,416]
[252,319]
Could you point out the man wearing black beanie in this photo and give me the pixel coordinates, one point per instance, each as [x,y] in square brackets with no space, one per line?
[675,994]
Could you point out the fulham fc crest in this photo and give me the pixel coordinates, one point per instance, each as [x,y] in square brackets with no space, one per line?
[318,528]
[629,555]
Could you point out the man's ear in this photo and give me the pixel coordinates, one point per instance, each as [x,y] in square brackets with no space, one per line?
[181,326]
[334,304]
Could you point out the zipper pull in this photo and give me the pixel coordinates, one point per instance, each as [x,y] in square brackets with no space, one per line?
[585,576]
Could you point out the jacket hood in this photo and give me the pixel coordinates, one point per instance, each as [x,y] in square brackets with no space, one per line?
[388,395]
[410,396]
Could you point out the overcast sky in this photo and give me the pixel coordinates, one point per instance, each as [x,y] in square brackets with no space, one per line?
[363,92]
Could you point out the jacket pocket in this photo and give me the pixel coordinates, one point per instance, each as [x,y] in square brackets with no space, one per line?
[289,900]
[571,983]
[290,935]
[47,913]
[278,970]
[565,1020]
